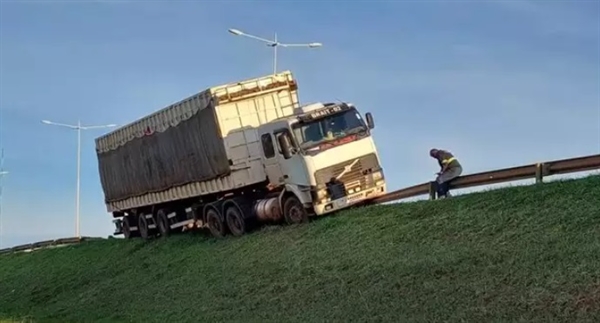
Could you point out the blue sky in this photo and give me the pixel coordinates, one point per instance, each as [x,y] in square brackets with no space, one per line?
[498,83]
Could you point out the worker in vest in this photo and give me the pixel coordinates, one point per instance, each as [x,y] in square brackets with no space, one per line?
[450,169]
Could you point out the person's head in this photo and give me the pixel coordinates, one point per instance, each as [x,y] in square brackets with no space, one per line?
[433,152]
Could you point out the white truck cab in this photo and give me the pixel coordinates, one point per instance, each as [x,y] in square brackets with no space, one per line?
[325,155]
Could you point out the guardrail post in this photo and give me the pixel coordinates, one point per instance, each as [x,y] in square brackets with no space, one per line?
[539,173]
[432,190]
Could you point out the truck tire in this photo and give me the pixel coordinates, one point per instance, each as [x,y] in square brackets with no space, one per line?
[215,225]
[126,228]
[143,227]
[164,227]
[126,225]
[293,211]
[235,220]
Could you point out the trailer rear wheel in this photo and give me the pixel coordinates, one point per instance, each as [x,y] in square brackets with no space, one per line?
[215,225]
[235,221]
[164,228]
[293,211]
[126,225]
[143,227]
[126,228]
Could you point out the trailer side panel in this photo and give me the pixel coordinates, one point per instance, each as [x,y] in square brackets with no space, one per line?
[152,161]
[164,157]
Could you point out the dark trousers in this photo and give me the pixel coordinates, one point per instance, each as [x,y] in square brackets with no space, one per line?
[442,182]
[443,188]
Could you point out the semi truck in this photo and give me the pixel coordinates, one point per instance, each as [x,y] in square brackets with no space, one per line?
[237,155]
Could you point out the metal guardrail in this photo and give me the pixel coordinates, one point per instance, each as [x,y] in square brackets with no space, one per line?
[537,171]
[47,243]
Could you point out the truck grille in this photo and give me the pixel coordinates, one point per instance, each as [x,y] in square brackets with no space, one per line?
[355,176]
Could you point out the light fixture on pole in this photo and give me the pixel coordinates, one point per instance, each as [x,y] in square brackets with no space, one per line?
[273,43]
[78,127]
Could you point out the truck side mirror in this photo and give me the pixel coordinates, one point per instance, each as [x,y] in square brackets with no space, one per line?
[284,143]
[370,121]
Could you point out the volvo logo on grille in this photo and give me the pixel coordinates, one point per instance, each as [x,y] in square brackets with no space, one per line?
[347,168]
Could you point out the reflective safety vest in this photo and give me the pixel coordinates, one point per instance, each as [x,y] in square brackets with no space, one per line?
[448,160]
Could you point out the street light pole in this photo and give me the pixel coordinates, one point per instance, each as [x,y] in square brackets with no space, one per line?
[273,43]
[77,207]
[2,174]
[78,127]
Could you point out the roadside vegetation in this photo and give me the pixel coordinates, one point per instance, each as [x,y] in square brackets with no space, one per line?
[517,254]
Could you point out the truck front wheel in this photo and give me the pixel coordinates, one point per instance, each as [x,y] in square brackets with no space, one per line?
[293,211]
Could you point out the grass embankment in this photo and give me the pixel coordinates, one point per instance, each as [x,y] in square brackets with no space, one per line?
[525,253]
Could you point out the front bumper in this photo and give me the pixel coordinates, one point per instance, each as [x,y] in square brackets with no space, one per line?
[351,199]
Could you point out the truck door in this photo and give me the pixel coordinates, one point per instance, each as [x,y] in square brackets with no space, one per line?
[271,162]
[294,169]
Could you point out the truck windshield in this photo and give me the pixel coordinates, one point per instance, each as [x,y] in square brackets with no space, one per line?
[313,133]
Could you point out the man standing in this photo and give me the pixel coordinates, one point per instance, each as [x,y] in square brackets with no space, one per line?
[450,169]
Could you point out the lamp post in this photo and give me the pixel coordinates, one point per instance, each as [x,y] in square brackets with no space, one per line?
[273,43]
[78,127]
[2,174]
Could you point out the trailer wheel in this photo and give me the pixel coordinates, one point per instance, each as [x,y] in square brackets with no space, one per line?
[215,225]
[235,221]
[143,227]
[164,228]
[126,228]
[293,211]
[126,225]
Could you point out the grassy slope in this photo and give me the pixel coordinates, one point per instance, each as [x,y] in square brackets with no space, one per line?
[514,254]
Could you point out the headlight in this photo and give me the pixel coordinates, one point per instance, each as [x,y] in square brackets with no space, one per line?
[377,176]
[321,194]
